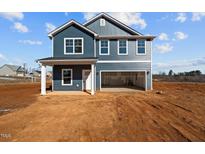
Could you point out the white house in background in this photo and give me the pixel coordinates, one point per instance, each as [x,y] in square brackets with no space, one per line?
[11,70]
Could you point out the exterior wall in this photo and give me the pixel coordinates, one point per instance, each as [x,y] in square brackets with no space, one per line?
[123,66]
[73,31]
[132,48]
[77,77]
[7,71]
[108,29]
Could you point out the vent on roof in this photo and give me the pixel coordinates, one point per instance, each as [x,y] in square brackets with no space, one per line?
[102,22]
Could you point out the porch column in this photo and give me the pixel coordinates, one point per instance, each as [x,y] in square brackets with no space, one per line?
[92,79]
[43,80]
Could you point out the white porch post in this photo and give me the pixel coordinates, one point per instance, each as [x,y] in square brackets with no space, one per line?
[43,80]
[92,79]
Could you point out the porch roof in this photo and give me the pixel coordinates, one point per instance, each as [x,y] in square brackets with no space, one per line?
[67,60]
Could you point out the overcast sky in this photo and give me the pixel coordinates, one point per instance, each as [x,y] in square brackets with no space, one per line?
[179,46]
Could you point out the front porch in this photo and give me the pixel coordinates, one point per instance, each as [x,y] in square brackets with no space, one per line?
[68,74]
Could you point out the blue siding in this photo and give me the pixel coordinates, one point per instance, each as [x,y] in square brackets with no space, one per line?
[73,31]
[108,29]
[122,66]
[77,77]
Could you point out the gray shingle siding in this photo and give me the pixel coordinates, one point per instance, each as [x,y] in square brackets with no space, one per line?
[72,32]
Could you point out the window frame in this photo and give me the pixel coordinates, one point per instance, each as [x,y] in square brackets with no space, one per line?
[108,46]
[118,47]
[62,76]
[73,39]
[137,48]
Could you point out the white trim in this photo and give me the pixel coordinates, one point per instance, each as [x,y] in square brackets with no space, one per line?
[68,24]
[125,71]
[62,81]
[73,38]
[113,19]
[103,54]
[92,79]
[43,79]
[95,47]
[83,70]
[123,61]
[118,48]
[95,77]
[145,48]
[145,80]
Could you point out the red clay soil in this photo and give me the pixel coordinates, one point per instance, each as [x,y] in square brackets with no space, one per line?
[171,112]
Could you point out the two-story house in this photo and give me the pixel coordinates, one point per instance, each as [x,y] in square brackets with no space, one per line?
[101,53]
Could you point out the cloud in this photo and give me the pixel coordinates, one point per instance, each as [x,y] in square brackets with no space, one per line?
[180,35]
[12,15]
[163,37]
[30,42]
[89,15]
[49,27]
[20,27]
[182,63]
[130,19]
[197,16]
[2,57]
[181,17]
[164,48]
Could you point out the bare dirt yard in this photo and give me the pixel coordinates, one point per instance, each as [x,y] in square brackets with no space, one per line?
[171,112]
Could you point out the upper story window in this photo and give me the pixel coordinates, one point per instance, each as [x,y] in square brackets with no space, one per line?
[67,76]
[73,46]
[102,22]
[122,47]
[141,47]
[104,47]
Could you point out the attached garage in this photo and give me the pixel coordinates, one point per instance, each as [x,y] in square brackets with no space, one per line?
[123,79]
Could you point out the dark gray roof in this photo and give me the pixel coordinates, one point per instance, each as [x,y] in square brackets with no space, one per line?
[15,68]
[67,58]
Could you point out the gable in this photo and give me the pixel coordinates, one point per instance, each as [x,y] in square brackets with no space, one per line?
[112,26]
[67,25]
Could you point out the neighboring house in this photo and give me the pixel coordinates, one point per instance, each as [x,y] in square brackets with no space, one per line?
[11,70]
[103,52]
[35,73]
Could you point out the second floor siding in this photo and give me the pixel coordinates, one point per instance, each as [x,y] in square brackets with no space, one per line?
[73,32]
[132,51]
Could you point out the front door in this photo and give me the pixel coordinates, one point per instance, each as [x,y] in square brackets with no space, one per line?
[86,79]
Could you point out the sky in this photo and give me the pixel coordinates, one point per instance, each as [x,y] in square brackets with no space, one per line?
[179,45]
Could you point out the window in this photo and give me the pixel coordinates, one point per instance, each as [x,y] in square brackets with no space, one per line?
[73,46]
[122,47]
[67,77]
[141,47]
[104,47]
[102,22]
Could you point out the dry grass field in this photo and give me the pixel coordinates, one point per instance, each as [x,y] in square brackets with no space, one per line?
[176,113]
